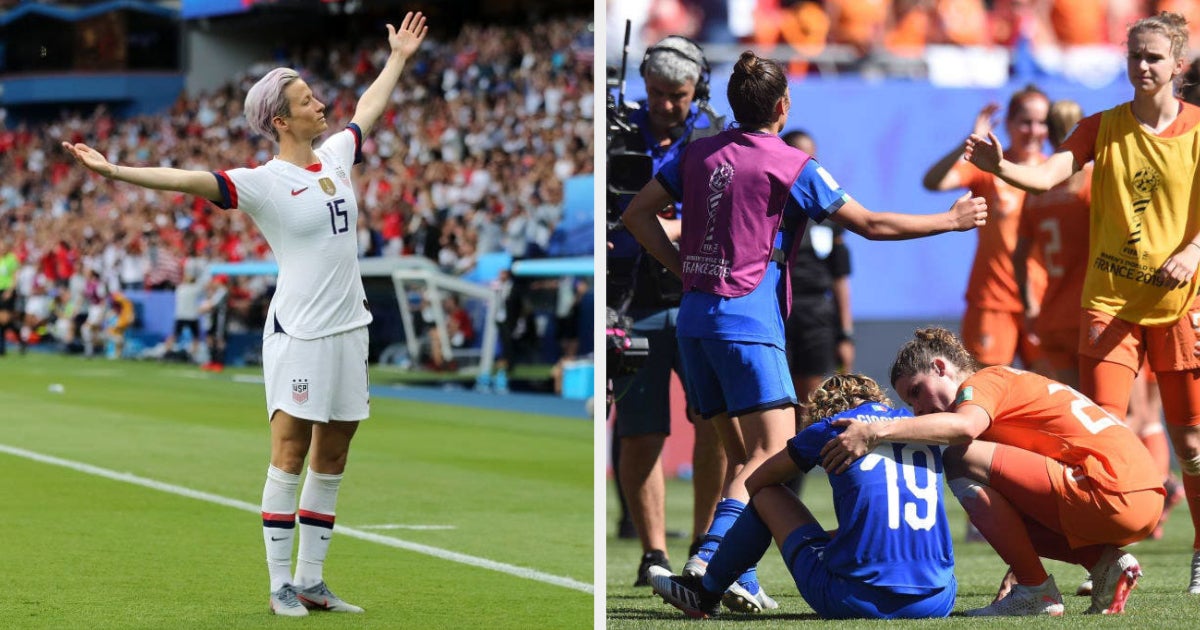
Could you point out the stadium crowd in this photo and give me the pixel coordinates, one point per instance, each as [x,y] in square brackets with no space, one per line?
[470,158]
[898,27]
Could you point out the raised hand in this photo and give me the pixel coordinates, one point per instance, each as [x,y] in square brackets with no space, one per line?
[984,153]
[90,158]
[985,121]
[969,212]
[408,39]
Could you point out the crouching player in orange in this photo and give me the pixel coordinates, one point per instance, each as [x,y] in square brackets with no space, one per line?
[1041,470]
[891,558]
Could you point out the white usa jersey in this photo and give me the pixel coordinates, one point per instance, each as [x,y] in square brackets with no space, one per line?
[309,216]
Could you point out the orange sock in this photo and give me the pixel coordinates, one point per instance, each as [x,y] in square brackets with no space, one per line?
[1160,449]
[1191,486]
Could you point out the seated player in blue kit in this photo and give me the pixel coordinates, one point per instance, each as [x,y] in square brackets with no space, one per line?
[891,556]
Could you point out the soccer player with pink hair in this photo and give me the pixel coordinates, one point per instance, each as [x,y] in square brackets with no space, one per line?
[315,339]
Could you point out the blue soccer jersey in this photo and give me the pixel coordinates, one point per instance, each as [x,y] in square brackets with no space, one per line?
[892,529]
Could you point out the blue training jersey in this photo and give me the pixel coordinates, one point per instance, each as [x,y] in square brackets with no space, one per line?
[814,196]
[892,528]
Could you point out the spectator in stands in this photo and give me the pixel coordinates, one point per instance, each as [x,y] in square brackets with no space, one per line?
[859,24]
[315,342]
[1140,292]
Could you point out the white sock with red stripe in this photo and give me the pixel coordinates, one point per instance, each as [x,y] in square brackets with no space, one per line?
[279,524]
[317,501]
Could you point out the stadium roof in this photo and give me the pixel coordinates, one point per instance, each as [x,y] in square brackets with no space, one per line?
[71,14]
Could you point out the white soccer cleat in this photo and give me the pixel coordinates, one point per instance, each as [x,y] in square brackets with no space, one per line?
[1113,577]
[740,600]
[695,567]
[1085,587]
[284,602]
[1025,601]
[319,597]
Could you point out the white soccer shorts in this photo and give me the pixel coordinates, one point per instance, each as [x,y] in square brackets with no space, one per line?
[317,379]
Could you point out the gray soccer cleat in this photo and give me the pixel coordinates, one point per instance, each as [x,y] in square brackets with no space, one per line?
[1025,601]
[285,602]
[1113,577]
[319,597]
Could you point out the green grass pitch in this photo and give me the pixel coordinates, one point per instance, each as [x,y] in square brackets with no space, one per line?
[1160,600]
[130,499]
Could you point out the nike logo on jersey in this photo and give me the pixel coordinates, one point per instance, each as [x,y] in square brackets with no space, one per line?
[297,192]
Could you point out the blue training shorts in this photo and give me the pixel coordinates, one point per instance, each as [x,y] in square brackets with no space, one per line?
[735,377]
[835,597]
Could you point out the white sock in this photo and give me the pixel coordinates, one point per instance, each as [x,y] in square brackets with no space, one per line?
[279,524]
[317,501]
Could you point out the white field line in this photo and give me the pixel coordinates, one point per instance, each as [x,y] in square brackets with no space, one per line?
[412,527]
[484,563]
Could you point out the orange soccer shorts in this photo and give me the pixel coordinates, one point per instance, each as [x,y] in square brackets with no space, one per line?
[1072,505]
[1111,350]
[996,337]
[1060,348]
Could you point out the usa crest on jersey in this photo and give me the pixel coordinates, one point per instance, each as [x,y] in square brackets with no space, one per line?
[327,185]
[300,391]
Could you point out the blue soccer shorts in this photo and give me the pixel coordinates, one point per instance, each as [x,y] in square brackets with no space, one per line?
[734,376]
[835,597]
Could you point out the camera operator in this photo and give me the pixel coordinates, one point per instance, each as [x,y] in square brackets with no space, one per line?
[674,113]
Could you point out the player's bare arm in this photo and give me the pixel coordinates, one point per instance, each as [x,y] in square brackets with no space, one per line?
[641,219]
[945,428]
[987,155]
[967,213]
[198,183]
[404,42]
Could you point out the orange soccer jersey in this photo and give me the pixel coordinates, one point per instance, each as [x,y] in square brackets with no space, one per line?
[1054,223]
[1032,412]
[992,284]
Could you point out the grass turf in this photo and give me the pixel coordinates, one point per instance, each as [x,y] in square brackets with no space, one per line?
[1159,601]
[82,550]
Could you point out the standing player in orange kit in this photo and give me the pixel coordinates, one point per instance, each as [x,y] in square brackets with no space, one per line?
[993,326]
[1139,296]
[1049,231]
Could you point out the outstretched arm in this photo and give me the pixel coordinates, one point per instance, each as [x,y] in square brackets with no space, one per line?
[985,153]
[966,213]
[199,183]
[404,43]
